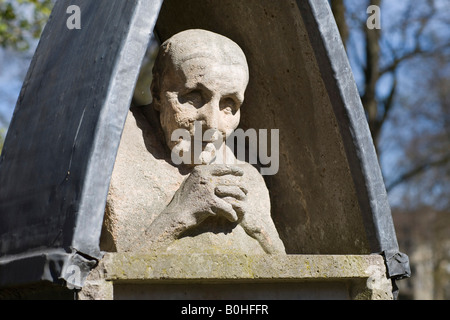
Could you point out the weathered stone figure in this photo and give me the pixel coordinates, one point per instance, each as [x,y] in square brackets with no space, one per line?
[201,77]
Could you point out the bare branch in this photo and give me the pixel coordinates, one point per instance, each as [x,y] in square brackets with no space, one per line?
[417,52]
[371,72]
[418,170]
[424,20]
[388,103]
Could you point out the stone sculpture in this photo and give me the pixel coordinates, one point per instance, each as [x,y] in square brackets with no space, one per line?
[199,82]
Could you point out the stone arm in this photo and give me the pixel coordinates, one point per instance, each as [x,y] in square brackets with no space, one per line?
[196,199]
[237,193]
[255,213]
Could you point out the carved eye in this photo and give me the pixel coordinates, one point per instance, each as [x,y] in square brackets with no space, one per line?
[193,97]
[228,106]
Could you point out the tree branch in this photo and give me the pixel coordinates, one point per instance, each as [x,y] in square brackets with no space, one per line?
[411,54]
[388,103]
[371,72]
[418,170]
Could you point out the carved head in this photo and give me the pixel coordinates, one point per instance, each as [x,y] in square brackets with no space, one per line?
[199,76]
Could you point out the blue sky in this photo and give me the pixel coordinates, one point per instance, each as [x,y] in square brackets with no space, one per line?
[13,68]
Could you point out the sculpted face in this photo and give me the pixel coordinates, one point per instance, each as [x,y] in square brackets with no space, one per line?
[204,88]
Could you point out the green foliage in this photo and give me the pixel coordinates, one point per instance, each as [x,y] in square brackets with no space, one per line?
[21,21]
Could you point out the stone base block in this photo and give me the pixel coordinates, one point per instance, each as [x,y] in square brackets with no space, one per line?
[237,277]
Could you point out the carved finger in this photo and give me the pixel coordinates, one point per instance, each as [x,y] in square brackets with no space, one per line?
[222,170]
[238,208]
[237,205]
[224,209]
[264,232]
[231,191]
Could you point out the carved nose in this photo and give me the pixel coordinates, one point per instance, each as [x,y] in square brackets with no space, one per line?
[208,115]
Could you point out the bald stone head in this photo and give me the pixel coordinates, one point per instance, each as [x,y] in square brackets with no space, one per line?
[199,76]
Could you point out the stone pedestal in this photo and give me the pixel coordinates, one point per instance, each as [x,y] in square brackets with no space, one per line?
[122,276]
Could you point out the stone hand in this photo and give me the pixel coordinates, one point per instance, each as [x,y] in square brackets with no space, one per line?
[210,190]
[251,203]
[259,226]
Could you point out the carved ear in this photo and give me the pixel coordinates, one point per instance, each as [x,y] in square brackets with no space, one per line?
[156,91]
